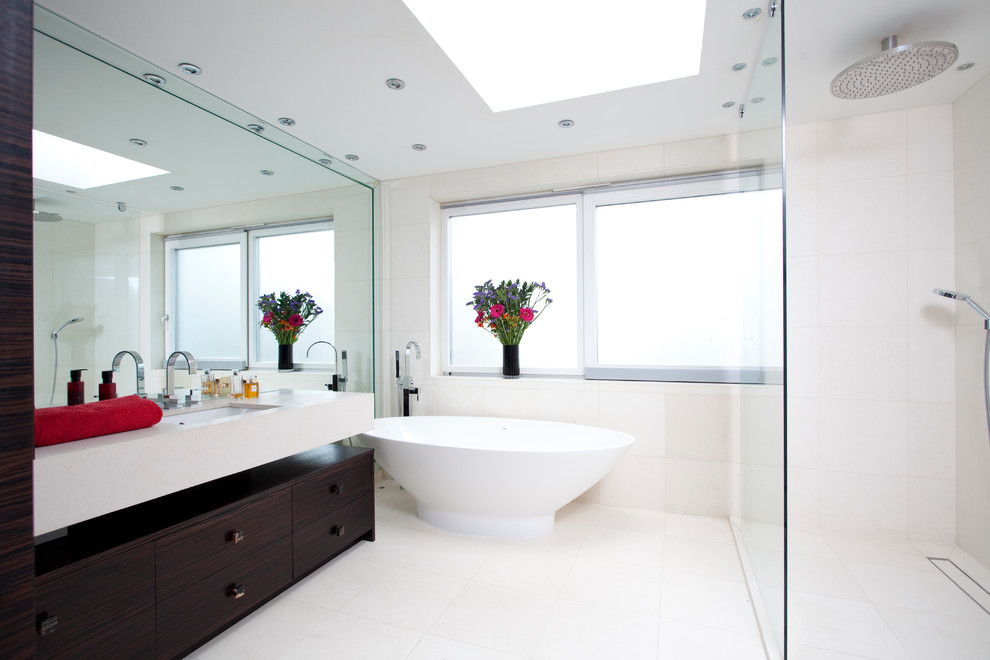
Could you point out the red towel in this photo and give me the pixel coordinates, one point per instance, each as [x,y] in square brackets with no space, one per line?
[53,426]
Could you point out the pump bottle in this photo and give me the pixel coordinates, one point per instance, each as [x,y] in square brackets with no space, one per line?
[108,389]
[76,388]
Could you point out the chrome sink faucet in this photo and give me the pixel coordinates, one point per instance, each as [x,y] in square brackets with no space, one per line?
[139,366]
[169,398]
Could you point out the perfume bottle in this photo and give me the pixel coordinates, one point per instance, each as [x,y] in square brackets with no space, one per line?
[236,386]
[251,388]
[206,384]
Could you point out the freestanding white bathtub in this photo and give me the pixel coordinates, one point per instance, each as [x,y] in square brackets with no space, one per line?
[489,476]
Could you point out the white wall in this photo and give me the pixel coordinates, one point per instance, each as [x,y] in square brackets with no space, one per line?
[971,118]
[686,455]
[871,413]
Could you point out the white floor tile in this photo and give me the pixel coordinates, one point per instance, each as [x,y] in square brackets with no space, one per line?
[335,584]
[825,576]
[642,548]
[616,585]
[525,569]
[406,597]
[679,639]
[706,600]
[698,527]
[929,636]
[846,626]
[917,590]
[702,557]
[438,648]
[506,620]
[633,520]
[582,631]
[354,638]
[450,554]
[799,652]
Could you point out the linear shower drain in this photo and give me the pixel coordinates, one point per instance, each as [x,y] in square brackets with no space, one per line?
[962,579]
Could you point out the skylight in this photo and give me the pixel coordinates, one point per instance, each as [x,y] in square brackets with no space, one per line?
[518,53]
[72,164]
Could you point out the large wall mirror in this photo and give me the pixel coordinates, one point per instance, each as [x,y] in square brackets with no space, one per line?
[99,243]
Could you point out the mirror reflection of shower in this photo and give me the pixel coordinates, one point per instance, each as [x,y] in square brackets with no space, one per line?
[55,368]
[955,295]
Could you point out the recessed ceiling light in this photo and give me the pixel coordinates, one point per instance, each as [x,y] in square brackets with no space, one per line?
[257,128]
[79,166]
[738,66]
[758,99]
[154,79]
[419,147]
[267,172]
[967,65]
[176,188]
[190,69]
[658,42]
[395,83]
[752,13]
[138,142]
[352,157]
[287,121]
[565,123]
[728,104]
[769,61]
[325,161]
[122,206]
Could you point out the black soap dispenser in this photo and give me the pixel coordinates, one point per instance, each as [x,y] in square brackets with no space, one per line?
[108,388]
[77,388]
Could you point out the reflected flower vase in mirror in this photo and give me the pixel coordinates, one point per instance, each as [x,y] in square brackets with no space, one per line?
[284,358]
[510,361]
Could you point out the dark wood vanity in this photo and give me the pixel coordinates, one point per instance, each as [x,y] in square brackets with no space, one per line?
[159,579]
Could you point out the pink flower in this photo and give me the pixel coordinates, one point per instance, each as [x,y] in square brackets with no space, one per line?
[526,314]
[267,319]
[497,310]
[480,319]
[296,320]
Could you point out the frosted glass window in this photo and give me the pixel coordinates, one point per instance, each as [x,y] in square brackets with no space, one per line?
[284,263]
[682,282]
[208,301]
[529,244]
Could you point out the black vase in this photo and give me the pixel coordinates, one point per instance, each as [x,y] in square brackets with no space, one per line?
[510,361]
[284,357]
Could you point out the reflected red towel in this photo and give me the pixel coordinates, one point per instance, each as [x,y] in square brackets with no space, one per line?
[53,426]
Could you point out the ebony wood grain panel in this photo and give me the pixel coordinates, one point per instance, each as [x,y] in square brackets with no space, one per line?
[322,540]
[192,554]
[133,637]
[199,611]
[344,483]
[94,598]
[16,333]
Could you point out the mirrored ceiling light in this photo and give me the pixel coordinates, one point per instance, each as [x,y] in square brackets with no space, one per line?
[176,188]
[267,172]
[967,65]
[752,13]
[325,161]
[138,142]
[419,147]
[395,83]
[738,66]
[287,121]
[769,61]
[257,128]
[154,79]
[190,69]
[565,123]
[728,104]
[352,157]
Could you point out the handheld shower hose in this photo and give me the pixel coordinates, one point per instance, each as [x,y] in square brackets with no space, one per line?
[955,295]
[55,368]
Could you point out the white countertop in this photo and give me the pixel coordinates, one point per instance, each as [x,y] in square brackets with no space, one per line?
[75,481]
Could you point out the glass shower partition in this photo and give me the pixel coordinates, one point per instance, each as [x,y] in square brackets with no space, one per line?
[759,520]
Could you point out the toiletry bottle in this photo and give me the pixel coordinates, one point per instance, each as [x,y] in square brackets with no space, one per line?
[222,387]
[76,388]
[251,388]
[236,386]
[108,389]
[207,385]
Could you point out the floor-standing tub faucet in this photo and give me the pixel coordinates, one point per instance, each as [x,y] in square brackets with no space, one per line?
[405,383]
[139,368]
[334,385]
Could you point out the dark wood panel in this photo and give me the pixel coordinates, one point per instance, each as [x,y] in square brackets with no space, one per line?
[192,554]
[92,599]
[197,612]
[324,539]
[134,637]
[16,336]
[344,483]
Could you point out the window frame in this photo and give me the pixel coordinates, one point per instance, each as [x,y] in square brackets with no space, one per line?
[249,334]
[588,200]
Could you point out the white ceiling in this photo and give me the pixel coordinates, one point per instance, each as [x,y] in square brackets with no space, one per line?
[325,62]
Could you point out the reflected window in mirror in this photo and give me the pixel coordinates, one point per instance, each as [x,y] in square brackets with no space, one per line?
[214,280]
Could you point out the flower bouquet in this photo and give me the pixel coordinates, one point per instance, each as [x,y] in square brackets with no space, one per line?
[287,316]
[506,311]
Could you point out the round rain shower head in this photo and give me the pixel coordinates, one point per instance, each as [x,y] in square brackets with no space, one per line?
[894,69]
[42,216]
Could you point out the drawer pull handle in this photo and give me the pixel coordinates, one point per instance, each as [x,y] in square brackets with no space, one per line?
[337,489]
[237,536]
[337,530]
[237,591]
[47,625]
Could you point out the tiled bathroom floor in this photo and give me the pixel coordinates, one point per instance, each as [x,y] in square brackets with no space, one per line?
[608,583]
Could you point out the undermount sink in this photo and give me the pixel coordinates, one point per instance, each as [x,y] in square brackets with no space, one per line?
[198,416]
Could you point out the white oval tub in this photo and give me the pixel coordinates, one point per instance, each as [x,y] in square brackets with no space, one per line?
[489,476]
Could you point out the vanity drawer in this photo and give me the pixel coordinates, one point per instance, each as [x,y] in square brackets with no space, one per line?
[87,602]
[195,552]
[316,543]
[343,483]
[200,610]
[134,637]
